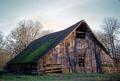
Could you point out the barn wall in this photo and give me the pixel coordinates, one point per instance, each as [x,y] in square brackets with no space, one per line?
[107,63]
[66,56]
[59,55]
[53,60]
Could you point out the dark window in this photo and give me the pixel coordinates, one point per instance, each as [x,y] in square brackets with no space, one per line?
[81,61]
[80,35]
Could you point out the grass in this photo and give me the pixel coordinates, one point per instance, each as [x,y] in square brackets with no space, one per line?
[61,77]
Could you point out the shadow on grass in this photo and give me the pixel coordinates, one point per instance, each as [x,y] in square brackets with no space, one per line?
[61,77]
[115,77]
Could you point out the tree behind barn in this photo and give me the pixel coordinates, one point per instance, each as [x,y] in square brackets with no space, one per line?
[5,56]
[1,40]
[26,32]
[110,36]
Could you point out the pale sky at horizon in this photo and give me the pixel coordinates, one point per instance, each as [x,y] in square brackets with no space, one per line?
[56,14]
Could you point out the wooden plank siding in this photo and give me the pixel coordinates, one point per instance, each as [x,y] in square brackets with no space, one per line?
[68,53]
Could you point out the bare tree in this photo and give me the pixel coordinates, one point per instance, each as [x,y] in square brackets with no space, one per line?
[3,53]
[1,40]
[19,38]
[110,35]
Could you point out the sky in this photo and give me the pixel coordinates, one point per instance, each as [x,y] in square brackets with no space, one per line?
[56,14]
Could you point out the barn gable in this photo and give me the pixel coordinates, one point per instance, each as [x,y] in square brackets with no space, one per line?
[78,51]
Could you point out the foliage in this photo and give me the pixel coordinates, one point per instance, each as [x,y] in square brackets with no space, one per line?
[26,32]
[4,58]
[4,54]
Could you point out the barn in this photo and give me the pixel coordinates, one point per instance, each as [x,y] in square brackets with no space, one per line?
[72,50]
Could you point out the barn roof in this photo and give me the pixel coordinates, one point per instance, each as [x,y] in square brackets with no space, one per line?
[36,49]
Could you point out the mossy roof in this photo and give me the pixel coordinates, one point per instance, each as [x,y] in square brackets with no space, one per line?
[36,49]
[39,47]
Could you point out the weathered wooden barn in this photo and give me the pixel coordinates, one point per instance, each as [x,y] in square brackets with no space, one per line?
[75,49]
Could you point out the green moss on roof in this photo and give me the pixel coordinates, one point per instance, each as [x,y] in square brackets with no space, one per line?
[35,53]
[28,56]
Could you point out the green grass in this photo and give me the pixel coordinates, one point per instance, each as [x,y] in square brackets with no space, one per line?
[61,77]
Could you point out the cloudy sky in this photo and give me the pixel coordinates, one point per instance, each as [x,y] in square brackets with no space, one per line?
[56,14]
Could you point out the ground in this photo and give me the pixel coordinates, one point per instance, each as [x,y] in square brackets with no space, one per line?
[61,77]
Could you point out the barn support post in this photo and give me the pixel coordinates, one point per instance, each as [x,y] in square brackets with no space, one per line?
[64,54]
[92,69]
[68,59]
[76,60]
[30,68]
[98,59]
[90,53]
[91,50]
[73,48]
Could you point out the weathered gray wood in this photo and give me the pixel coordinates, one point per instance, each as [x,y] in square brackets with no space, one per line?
[69,52]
